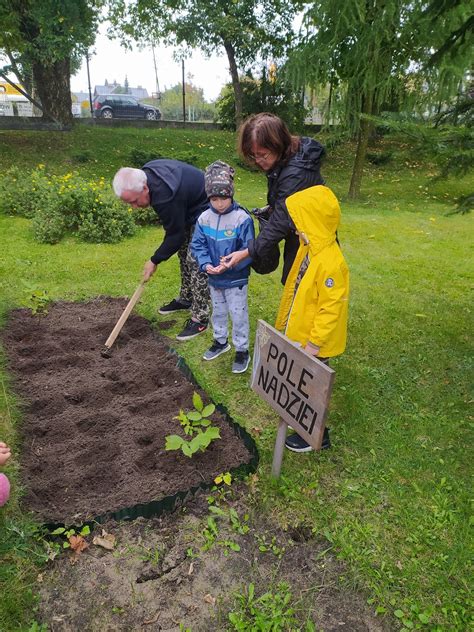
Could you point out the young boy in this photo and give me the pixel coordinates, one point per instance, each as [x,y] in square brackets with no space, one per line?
[221,229]
[314,306]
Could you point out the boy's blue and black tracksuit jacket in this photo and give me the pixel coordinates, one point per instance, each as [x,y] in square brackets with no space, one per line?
[219,234]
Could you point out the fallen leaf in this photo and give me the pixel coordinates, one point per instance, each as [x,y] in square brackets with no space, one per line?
[78,544]
[106,540]
[153,620]
[210,599]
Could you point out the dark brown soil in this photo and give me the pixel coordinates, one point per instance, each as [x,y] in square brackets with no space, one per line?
[93,428]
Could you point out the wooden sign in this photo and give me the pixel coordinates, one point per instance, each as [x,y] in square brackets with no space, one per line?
[296,385]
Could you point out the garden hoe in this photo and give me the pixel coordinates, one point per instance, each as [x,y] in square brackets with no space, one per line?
[106,351]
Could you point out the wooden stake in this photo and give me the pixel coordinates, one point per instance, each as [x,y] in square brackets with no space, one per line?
[279,448]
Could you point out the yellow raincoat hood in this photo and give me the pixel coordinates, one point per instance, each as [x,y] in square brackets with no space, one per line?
[317,312]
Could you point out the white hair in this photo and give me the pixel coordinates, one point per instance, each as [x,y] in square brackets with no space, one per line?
[129,179]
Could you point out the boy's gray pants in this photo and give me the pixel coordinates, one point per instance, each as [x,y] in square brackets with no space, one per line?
[230,301]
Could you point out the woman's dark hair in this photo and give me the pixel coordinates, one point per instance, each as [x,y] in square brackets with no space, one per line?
[268,131]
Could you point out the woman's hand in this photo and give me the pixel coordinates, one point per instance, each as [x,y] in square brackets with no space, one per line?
[230,261]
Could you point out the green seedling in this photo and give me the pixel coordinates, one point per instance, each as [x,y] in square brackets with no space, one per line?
[229,545]
[68,533]
[266,546]
[190,553]
[270,611]
[196,424]
[118,610]
[196,419]
[221,492]
[210,533]
[37,301]
[150,555]
[38,627]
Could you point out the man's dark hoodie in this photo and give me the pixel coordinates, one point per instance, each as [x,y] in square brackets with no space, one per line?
[300,172]
[178,197]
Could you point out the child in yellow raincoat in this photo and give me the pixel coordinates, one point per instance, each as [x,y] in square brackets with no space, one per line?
[314,306]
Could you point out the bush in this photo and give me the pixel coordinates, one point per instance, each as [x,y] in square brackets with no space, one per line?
[82,156]
[145,216]
[139,157]
[48,225]
[106,222]
[58,204]
[379,158]
[22,194]
[280,98]
[189,157]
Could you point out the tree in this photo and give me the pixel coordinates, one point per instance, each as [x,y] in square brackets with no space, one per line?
[373,53]
[171,104]
[245,29]
[44,41]
[268,94]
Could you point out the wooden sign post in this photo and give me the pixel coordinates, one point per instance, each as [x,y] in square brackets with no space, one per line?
[295,384]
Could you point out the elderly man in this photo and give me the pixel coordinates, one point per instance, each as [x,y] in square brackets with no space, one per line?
[175,190]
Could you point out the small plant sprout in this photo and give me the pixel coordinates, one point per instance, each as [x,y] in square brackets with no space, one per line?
[270,611]
[73,539]
[37,301]
[222,481]
[223,478]
[196,424]
[266,546]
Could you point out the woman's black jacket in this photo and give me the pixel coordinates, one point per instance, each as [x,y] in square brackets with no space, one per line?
[300,172]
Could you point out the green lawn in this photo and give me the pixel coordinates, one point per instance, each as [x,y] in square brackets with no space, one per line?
[392,494]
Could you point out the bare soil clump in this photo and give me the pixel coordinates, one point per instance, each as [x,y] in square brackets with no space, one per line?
[169,574]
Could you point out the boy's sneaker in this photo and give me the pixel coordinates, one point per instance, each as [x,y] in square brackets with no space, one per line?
[296,444]
[216,350]
[241,362]
[192,328]
[174,306]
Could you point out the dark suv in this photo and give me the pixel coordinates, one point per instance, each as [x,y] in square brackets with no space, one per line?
[123,106]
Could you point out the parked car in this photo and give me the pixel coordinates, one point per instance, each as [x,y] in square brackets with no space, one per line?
[123,106]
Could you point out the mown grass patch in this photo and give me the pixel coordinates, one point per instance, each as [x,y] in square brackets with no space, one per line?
[392,494]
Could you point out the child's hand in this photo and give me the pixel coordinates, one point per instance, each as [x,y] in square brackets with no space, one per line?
[216,270]
[5,453]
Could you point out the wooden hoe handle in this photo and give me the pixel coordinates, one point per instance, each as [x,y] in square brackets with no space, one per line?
[126,313]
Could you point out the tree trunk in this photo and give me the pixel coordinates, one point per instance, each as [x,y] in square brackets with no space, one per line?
[362,143]
[234,73]
[54,90]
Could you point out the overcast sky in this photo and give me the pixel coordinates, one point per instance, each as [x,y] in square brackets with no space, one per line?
[113,62]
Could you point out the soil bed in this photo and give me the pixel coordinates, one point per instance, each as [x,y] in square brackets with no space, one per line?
[94,429]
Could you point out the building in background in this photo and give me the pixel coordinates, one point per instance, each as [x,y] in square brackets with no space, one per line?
[117,88]
[12,102]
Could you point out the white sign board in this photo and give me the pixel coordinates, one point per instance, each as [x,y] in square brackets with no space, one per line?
[296,385]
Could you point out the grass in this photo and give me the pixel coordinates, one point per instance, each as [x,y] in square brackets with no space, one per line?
[392,495]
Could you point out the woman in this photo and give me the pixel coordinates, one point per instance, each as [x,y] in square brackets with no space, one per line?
[313,309]
[291,164]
